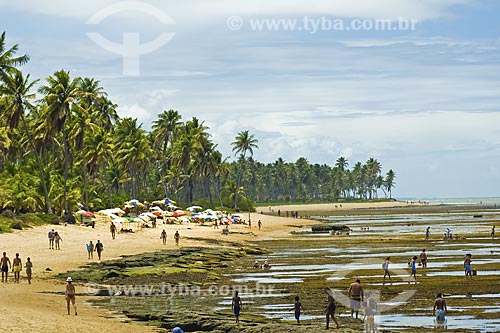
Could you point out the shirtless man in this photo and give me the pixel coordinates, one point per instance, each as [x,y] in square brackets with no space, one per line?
[177,237]
[440,308]
[356,297]
[112,229]
[423,259]
[236,306]
[70,294]
[259,224]
[18,266]
[5,266]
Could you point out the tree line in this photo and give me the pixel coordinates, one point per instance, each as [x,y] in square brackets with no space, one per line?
[62,142]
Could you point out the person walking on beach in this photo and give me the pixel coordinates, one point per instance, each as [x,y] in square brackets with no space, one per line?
[163,236]
[177,237]
[236,306]
[112,229]
[330,309]
[5,266]
[356,296]
[413,266]
[427,233]
[70,294]
[259,224]
[51,239]
[423,258]
[29,266]
[17,266]
[99,247]
[467,266]
[57,239]
[385,267]
[493,232]
[440,309]
[90,250]
[297,306]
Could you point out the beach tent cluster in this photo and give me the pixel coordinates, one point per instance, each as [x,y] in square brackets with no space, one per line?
[136,215]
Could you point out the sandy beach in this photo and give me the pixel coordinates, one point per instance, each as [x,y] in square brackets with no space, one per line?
[36,307]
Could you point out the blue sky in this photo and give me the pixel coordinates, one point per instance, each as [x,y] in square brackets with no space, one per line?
[424,102]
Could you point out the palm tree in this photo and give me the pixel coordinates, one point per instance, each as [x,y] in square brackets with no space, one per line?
[8,60]
[389,182]
[244,143]
[16,90]
[60,93]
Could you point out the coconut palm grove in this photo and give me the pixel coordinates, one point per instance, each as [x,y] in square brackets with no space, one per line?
[62,142]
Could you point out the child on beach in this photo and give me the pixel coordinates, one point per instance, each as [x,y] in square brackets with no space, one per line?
[57,240]
[369,318]
[297,306]
[413,265]
[330,309]
[385,267]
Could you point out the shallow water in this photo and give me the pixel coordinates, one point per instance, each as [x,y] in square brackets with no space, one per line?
[453,322]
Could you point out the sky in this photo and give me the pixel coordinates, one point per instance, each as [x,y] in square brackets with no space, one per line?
[312,79]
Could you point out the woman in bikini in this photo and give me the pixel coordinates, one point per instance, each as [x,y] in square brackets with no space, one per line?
[70,294]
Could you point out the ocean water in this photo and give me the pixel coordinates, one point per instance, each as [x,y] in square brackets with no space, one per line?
[487,201]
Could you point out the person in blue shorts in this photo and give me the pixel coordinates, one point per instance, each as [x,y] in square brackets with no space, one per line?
[440,309]
[236,306]
[467,265]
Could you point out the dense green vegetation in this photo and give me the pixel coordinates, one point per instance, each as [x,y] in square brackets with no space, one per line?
[64,143]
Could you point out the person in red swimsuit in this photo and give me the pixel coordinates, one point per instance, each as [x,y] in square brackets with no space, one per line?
[70,294]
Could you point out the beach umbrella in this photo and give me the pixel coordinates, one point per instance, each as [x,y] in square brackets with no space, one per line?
[88,214]
[194,208]
[134,202]
[178,213]
[167,200]
[80,212]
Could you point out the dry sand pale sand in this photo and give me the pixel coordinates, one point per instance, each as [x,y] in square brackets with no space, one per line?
[36,307]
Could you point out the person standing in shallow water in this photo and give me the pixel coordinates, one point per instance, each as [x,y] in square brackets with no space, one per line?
[236,305]
[330,309]
[440,308]
[356,296]
[297,306]
[427,233]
